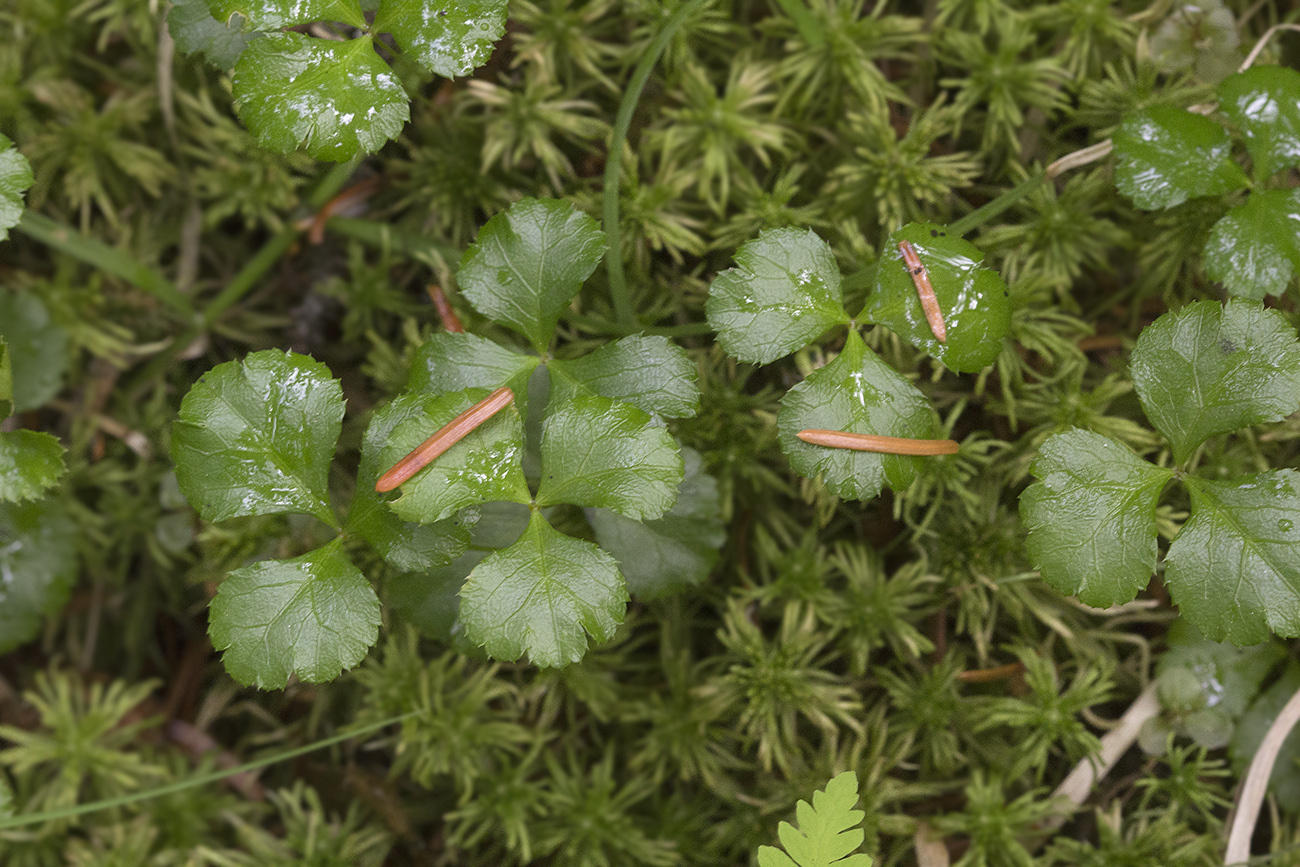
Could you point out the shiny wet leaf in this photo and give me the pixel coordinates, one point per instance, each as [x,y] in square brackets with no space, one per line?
[256,437]
[858,393]
[1091,517]
[1210,369]
[334,99]
[972,298]
[542,597]
[606,454]
[407,545]
[313,616]
[483,467]
[1255,248]
[274,14]
[1234,568]
[650,373]
[446,37]
[783,293]
[1264,104]
[528,263]
[1166,155]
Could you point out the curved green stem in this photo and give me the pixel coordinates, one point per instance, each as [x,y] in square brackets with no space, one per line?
[619,294]
[108,259]
[982,215]
[193,782]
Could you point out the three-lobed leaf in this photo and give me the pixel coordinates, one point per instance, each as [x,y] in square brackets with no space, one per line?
[527,264]
[30,464]
[38,557]
[1255,248]
[829,830]
[973,299]
[542,596]
[1091,517]
[858,393]
[256,437]
[606,454]
[675,551]
[15,178]
[1263,102]
[650,373]
[333,98]
[313,616]
[1209,369]
[1234,568]
[1166,155]
[447,37]
[783,293]
[483,467]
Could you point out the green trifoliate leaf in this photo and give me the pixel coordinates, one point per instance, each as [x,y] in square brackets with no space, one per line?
[38,349]
[30,463]
[1092,517]
[313,616]
[38,562]
[1209,369]
[196,31]
[1234,568]
[447,37]
[1264,104]
[676,551]
[783,293]
[1166,155]
[483,467]
[1255,248]
[450,361]
[406,545]
[857,393]
[828,831]
[542,596]
[528,263]
[256,437]
[15,178]
[972,299]
[332,98]
[274,14]
[648,372]
[606,454]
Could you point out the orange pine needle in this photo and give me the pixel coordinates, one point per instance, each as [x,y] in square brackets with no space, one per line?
[921,279]
[871,443]
[450,320]
[450,434]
